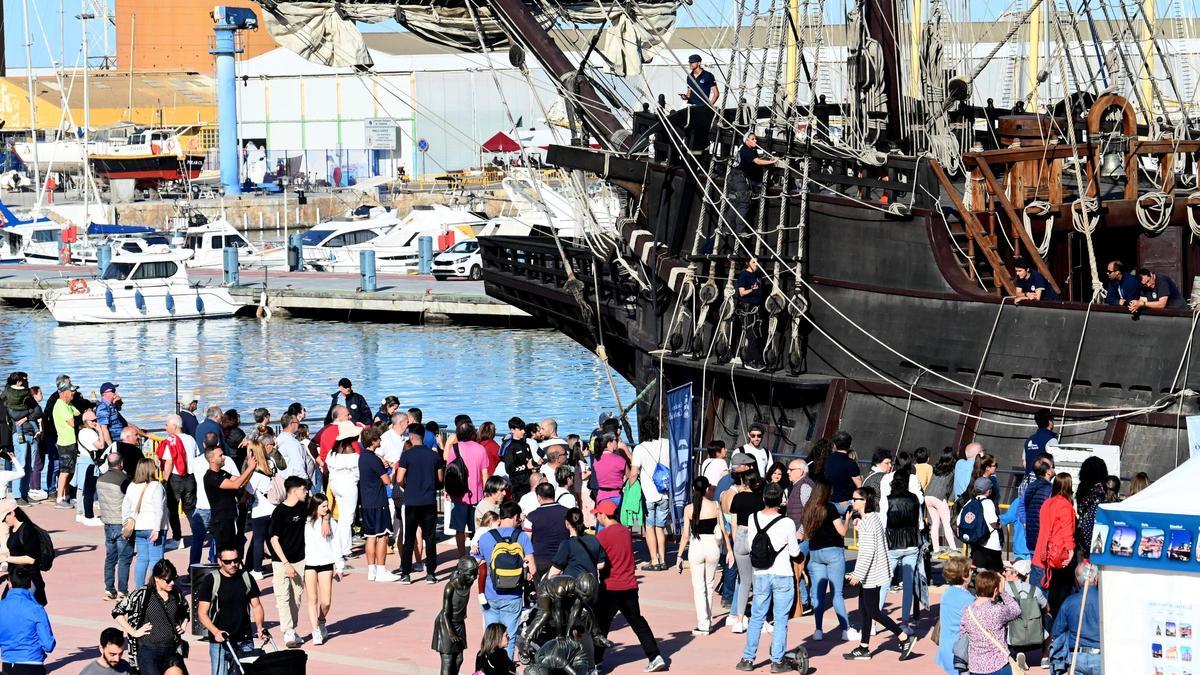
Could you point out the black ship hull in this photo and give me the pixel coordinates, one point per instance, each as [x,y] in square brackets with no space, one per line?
[899,345]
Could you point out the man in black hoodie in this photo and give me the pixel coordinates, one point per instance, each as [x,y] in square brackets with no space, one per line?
[360,412]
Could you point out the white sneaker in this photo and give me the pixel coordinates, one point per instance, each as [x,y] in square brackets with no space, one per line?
[768,627]
[38,495]
[258,576]
[323,630]
[370,573]
[317,638]
[818,635]
[739,626]
[92,522]
[290,640]
[78,517]
[386,576]
[851,635]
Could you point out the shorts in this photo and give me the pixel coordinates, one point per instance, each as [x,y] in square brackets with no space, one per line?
[319,568]
[67,456]
[658,513]
[376,521]
[462,517]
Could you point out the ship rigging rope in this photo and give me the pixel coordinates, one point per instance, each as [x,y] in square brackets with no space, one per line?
[1040,209]
[1119,412]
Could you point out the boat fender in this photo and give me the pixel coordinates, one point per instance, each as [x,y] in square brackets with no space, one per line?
[109,300]
[170,303]
[199,304]
[139,301]
[264,310]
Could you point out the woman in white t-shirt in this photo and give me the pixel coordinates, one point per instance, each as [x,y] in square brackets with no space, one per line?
[342,464]
[146,502]
[322,559]
[260,507]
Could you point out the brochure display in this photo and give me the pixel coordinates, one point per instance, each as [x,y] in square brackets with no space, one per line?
[1146,547]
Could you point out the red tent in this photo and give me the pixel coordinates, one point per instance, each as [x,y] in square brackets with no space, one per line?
[501,142]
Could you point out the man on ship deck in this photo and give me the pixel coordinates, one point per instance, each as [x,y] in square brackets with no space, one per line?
[1122,288]
[1159,291]
[1031,284]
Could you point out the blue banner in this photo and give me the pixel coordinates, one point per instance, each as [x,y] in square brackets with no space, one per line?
[1156,541]
[679,431]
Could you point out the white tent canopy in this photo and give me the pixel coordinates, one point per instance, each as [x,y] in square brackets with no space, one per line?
[1170,494]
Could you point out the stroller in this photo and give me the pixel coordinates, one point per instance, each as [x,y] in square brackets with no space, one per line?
[275,662]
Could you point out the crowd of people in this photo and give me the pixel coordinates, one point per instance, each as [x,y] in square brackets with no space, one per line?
[543,534]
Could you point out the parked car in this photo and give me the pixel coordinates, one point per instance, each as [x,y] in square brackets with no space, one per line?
[461,260]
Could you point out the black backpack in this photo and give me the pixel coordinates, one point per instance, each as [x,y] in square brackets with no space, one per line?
[762,553]
[455,482]
[46,546]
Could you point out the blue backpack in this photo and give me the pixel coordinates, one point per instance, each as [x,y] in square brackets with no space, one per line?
[972,527]
[662,479]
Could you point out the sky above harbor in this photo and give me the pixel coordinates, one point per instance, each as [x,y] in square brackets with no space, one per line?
[57,34]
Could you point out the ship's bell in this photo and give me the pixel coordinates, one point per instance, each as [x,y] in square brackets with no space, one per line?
[1112,164]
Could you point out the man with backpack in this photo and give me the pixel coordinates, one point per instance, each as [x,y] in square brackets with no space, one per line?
[28,545]
[228,606]
[773,544]
[651,468]
[979,527]
[466,473]
[508,553]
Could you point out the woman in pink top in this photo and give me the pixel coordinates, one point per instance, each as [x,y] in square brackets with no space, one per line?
[609,467]
[983,623]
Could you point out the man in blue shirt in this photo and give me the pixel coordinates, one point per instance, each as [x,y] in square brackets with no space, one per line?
[419,471]
[1063,633]
[1041,439]
[107,416]
[1031,285]
[504,606]
[749,300]
[25,634]
[1122,288]
[211,424]
[701,96]
[1159,291]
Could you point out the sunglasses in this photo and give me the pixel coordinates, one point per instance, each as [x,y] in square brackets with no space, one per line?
[235,561]
[858,499]
[755,435]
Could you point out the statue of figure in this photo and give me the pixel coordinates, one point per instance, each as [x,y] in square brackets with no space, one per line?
[450,626]
[564,605]
[561,656]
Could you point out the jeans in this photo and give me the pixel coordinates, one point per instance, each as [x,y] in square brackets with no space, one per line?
[728,580]
[118,554]
[200,521]
[804,590]
[258,541]
[907,559]
[782,591]
[506,611]
[1088,664]
[23,457]
[218,656]
[152,657]
[45,466]
[828,565]
[148,553]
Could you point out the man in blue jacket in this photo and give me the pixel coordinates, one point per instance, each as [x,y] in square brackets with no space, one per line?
[1067,623]
[1041,440]
[360,411]
[1036,490]
[25,634]
[211,424]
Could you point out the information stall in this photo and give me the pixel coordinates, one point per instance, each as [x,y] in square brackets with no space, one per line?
[1150,577]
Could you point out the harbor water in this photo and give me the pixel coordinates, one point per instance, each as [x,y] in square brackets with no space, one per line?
[244,363]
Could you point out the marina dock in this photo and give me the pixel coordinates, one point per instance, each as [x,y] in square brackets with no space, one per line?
[398,298]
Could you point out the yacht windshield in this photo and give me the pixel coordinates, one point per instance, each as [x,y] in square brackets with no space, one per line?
[117,271]
[314,237]
[465,247]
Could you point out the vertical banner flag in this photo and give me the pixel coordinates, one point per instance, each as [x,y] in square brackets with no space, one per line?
[679,431]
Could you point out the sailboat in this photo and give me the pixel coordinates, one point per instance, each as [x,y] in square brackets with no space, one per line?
[887,232]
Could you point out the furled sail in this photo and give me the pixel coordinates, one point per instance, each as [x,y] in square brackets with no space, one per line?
[324,32]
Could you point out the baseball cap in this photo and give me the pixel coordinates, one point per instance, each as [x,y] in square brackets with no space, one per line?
[8,505]
[983,484]
[606,507]
[604,417]
[694,58]
[108,386]
[742,459]
[67,386]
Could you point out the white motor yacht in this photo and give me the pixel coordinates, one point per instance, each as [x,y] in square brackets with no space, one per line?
[208,239]
[328,245]
[150,286]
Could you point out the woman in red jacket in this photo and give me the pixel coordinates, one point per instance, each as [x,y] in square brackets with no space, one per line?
[1054,553]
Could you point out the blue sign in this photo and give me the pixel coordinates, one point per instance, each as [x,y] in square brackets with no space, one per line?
[423,145]
[679,431]
[1157,541]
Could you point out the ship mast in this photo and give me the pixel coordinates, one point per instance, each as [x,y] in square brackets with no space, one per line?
[881,21]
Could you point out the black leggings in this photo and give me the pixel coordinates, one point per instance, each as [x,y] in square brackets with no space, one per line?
[868,605]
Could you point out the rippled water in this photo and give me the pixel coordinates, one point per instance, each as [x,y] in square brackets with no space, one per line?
[489,373]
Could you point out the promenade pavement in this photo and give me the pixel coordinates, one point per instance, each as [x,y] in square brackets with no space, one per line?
[378,628]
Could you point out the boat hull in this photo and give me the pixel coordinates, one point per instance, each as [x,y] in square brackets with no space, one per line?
[93,306]
[148,167]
